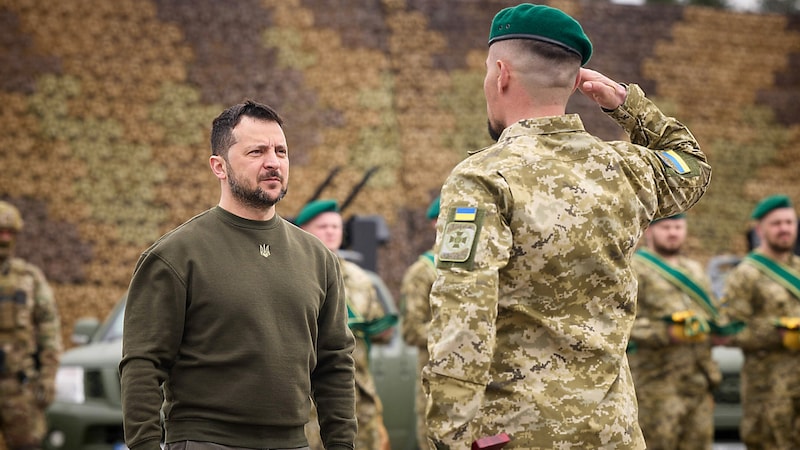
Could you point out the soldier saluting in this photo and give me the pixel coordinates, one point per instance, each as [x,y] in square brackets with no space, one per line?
[535,296]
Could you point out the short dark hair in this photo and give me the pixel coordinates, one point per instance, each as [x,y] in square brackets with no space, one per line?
[222,128]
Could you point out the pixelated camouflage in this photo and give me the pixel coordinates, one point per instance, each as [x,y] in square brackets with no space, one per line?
[30,340]
[770,391]
[673,381]
[363,299]
[415,291]
[528,336]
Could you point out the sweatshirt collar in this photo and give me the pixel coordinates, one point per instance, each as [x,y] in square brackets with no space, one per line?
[241,222]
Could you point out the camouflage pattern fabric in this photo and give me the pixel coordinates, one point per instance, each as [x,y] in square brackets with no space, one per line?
[361,296]
[30,339]
[770,391]
[415,291]
[673,381]
[535,297]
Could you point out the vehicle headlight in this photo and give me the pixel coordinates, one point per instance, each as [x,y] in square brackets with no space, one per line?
[69,384]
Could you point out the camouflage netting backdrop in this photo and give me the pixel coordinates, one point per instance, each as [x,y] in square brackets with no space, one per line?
[107,107]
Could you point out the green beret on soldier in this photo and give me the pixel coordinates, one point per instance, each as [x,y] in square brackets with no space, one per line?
[534,294]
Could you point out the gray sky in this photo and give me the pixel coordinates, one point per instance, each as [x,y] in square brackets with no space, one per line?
[742,5]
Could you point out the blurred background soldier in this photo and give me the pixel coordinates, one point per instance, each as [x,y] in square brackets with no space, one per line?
[415,291]
[30,341]
[367,320]
[764,292]
[670,357]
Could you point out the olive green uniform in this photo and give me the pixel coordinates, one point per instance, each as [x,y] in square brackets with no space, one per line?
[30,345]
[770,388]
[673,381]
[535,298]
[415,292]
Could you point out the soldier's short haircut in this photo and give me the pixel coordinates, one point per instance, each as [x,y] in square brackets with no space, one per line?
[551,52]
[222,128]
[551,64]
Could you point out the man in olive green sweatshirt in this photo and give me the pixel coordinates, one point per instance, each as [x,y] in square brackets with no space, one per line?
[237,317]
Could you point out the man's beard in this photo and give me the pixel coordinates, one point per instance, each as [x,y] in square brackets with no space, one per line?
[493,133]
[667,250]
[778,246]
[254,198]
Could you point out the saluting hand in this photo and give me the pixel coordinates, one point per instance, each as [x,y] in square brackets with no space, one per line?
[603,90]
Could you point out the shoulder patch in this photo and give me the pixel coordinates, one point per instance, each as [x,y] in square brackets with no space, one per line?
[459,238]
[673,160]
[457,241]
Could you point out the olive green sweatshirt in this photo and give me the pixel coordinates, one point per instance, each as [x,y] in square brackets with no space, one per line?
[243,322]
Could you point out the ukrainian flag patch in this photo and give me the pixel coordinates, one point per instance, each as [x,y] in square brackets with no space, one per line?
[674,161]
[465,214]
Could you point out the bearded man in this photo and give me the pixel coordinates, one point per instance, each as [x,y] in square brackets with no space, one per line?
[670,356]
[764,291]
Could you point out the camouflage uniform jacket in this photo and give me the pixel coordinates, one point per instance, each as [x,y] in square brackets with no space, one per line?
[29,322]
[758,300]
[535,297]
[415,290]
[656,359]
[363,300]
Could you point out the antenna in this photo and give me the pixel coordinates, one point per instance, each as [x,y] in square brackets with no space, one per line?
[333,172]
[357,188]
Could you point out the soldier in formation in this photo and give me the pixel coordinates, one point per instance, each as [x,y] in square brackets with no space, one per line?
[764,292]
[677,322]
[415,291]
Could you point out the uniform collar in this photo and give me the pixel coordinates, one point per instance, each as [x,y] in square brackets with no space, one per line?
[540,126]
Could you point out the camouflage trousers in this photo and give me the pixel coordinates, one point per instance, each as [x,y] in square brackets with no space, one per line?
[771,424]
[676,422]
[371,431]
[22,421]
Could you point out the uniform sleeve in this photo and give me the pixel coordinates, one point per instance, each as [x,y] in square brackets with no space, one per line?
[48,328]
[464,305]
[332,383]
[682,173]
[415,291]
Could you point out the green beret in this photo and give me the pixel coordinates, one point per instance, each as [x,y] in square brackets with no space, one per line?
[542,23]
[676,216]
[768,204]
[433,209]
[315,208]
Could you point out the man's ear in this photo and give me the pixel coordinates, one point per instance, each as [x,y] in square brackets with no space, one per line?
[577,81]
[218,166]
[503,75]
